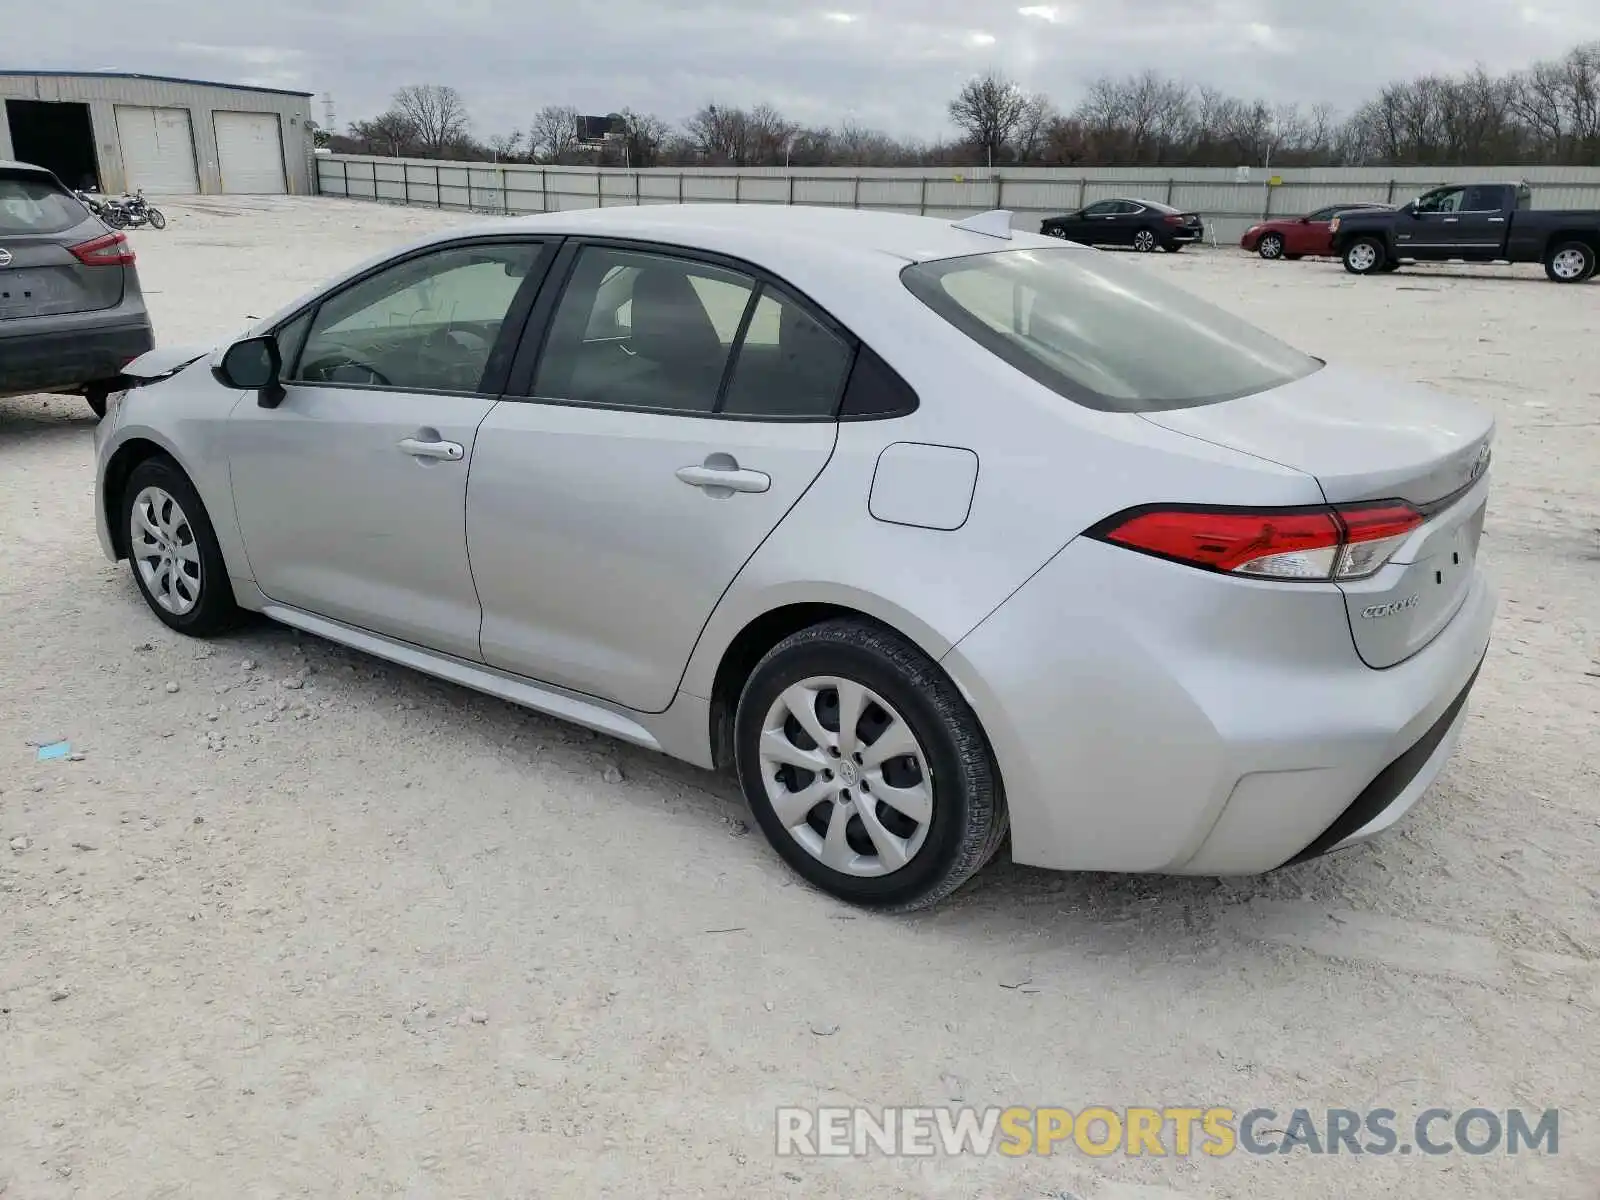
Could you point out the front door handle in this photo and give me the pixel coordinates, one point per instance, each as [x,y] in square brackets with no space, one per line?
[1451,220]
[450,451]
[1498,220]
[720,476]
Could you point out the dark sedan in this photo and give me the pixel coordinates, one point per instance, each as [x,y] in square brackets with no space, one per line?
[1298,237]
[1143,224]
[71,313]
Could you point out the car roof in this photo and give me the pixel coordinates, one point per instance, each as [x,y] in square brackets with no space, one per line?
[11,164]
[766,233]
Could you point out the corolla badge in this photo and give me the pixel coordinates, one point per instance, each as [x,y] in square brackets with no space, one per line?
[1388,610]
[5,257]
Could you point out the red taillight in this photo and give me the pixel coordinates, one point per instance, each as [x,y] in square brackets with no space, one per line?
[1173,218]
[107,250]
[1348,542]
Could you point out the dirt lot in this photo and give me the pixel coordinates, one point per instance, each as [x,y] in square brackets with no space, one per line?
[302,924]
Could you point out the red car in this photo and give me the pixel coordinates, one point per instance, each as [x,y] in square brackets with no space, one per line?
[1297,237]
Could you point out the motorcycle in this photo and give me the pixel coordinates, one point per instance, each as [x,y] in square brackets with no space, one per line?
[130,212]
[100,206]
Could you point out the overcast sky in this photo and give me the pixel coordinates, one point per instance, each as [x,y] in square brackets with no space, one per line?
[892,64]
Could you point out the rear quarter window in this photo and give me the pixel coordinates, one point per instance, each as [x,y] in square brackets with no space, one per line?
[1105,333]
[33,204]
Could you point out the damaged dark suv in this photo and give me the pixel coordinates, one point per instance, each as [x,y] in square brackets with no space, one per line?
[71,312]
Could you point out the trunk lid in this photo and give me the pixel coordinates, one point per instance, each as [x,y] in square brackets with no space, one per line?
[39,275]
[1369,439]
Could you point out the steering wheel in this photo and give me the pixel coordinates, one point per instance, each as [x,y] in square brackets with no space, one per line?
[323,371]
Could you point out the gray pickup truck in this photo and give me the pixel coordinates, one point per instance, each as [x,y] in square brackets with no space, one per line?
[1472,222]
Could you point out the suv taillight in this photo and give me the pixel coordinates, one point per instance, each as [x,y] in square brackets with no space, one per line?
[107,250]
[1339,543]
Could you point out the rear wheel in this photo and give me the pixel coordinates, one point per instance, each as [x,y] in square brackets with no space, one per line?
[1364,256]
[1270,246]
[1144,241]
[1570,262]
[173,550]
[865,767]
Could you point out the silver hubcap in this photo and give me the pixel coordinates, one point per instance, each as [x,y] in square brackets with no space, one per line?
[846,776]
[1144,240]
[164,552]
[1570,264]
[1271,247]
[1363,257]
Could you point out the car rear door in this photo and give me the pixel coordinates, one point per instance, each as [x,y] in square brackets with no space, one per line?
[351,492]
[677,409]
[1481,222]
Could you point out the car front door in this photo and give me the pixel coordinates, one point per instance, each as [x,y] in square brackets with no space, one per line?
[1433,228]
[678,409]
[351,492]
[1095,225]
[1310,235]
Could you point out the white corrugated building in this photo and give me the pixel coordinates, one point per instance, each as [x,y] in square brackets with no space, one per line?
[117,132]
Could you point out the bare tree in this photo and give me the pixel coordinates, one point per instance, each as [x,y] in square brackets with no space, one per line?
[506,146]
[553,133]
[391,133]
[436,112]
[644,135]
[989,110]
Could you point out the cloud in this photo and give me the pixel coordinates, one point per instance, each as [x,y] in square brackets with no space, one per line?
[893,64]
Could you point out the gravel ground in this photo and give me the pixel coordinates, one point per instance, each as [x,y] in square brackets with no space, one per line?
[298,923]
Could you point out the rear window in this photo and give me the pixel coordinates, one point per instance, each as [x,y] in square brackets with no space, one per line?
[34,204]
[1103,331]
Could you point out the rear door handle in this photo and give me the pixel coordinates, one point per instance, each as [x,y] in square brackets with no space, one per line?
[1451,220]
[1498,220]
[720,475]
[450,451]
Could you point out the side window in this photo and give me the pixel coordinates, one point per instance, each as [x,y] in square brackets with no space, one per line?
[429,323]
[1128,208]
[1322,214]
[291,337]
[643,330]
[1103,209]
[1482,199]
[1446,200]
[789,364]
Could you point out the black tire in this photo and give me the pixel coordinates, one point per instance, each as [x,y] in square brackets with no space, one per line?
[968,822]
[1270,247]
[1174,247]
[214,610]
[1560,252]
[1355,253]
[156,219]
[114,218]
[97,394]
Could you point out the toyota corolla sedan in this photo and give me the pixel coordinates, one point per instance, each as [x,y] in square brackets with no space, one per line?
[933,532]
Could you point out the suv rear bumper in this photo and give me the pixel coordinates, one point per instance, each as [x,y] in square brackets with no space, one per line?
[65,359]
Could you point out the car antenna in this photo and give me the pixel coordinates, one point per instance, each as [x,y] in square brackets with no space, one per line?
[995,223]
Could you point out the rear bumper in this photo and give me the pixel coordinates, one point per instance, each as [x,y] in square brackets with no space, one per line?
[61,360]
[1149,717]
[1186,233]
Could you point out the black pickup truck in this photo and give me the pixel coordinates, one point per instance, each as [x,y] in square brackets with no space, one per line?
[1474,222]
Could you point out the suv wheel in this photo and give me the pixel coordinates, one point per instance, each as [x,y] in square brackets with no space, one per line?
[866,769]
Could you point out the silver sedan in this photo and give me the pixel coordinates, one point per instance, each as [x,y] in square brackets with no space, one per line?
[934,532]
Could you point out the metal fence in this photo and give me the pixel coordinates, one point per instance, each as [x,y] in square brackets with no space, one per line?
[1227,199]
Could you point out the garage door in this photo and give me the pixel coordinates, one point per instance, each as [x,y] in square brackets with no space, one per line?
[157,150]
[250,152]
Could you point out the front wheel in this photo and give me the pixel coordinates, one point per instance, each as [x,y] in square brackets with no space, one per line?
[173,550]
[1144,241]
[1364,256]
[1570,262]
[1270,247]
[865,767]
[156,219]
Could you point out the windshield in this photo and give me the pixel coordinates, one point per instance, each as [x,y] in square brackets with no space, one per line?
[1102,331]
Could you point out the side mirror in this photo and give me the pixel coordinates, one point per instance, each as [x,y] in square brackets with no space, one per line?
[253,364]
[1305,220]
[1409,208]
